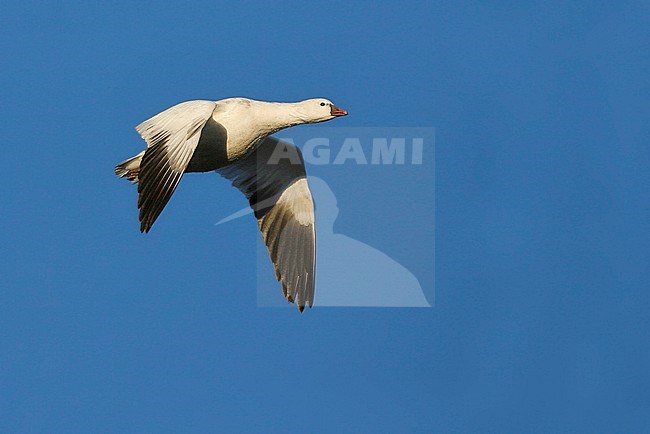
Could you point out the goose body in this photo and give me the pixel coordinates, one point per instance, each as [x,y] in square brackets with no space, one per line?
[231,136]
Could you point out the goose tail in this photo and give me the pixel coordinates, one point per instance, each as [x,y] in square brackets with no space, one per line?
[130,169]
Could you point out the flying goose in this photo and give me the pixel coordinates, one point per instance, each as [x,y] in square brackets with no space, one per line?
[230,136]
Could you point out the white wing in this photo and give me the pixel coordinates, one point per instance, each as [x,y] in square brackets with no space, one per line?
[172,137]
[277,191]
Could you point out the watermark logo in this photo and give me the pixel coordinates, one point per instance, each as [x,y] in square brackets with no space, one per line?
[383,150]
[373,195]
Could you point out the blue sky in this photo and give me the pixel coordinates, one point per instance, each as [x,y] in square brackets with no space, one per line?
[540,320]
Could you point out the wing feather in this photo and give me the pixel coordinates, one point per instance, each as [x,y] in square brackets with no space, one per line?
[172,137]
[283,205]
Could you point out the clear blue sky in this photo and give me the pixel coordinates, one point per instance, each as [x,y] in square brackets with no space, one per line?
[542,188]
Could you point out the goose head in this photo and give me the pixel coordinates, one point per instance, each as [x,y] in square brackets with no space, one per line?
[318,110]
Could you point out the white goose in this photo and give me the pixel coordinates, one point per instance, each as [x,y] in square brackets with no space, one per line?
[231,137]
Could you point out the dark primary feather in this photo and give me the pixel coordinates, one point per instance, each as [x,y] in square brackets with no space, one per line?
[158,181]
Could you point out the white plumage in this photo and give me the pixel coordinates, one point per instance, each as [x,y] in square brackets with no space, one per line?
[231,137]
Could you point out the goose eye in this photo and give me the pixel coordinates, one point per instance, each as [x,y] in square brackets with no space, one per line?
[322,104]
